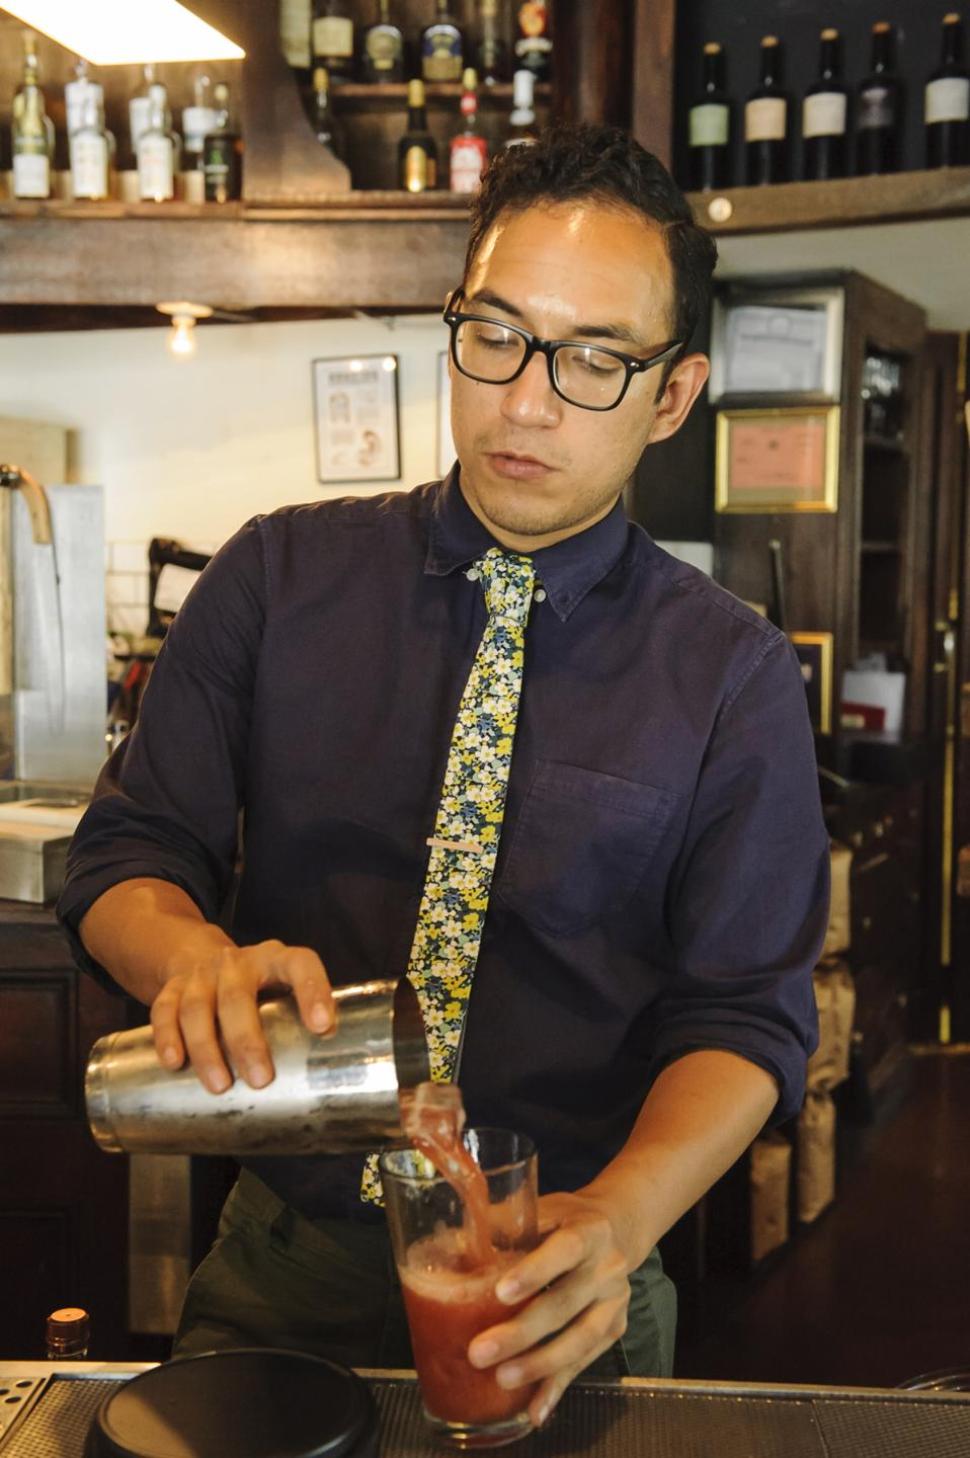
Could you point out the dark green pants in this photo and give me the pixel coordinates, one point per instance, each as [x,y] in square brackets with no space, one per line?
[274,1278]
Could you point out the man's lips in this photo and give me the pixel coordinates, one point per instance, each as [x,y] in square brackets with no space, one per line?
[517,467]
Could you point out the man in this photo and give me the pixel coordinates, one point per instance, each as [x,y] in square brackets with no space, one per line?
[642,999]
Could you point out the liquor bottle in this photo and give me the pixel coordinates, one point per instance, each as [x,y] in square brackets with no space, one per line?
[329,132]
[68,1334]
[92,150]
[76,93]
[766,121]
[947,102]
[138,107]
[522,121]
[158,150]
[222,153]
[879,108]
[383,48]
[198,120]
[825,115]
[469,149]
[493,53]
[442,47]
[332,40]
[417,152]
[533,49]
[709,126]
[295,34]
[31,131]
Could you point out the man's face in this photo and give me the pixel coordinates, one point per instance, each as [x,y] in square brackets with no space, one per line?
[534,468]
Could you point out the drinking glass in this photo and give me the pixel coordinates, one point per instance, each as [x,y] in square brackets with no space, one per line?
[449,1295]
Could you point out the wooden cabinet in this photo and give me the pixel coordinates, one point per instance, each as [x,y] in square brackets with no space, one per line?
[63,1204]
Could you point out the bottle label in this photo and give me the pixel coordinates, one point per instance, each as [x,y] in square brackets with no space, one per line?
[533,18]
[383,49]
[156,168]
[89,165]
[765,119]
[31,175]
[333,35]
[948,99]
[824,115]
[295,31]
[137,120]
[441,54]
[420,170]
[533,45]
[468,158]
[875,108]
[197,123]
[709,124]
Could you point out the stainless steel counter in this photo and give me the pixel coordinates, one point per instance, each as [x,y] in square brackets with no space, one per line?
[52,1405]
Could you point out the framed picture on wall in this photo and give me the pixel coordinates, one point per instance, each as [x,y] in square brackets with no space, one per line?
[358,433]
[778,459]
[446,445]
[814,653]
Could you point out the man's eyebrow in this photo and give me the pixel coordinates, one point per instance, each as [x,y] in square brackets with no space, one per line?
[624,333]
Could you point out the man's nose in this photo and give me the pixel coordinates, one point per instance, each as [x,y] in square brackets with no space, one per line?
[531,400]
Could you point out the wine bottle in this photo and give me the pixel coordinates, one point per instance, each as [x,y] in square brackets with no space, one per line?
[417,151]
[469,149]
[709,126]
[825,115]
[92,150]
[383,48]
[533,49]
[766,121]
[332,39]
[442,47]
[158,150]
[328,130]
[222,153]
[947,102]
[522,121]
[31,131]
[879,108]
[492,55]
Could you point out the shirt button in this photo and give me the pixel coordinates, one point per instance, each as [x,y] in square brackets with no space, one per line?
[539,595]
[472,574]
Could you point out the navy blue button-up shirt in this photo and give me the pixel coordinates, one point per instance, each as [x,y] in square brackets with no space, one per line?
[661,883]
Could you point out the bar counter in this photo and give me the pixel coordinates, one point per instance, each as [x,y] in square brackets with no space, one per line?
[53,1404]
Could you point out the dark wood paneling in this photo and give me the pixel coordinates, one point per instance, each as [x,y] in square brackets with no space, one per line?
[594,60]
[38,1019]
[652,100]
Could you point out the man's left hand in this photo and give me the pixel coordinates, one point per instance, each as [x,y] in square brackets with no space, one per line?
[577,1279]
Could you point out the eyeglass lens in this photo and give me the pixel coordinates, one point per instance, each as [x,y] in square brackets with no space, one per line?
[586,375]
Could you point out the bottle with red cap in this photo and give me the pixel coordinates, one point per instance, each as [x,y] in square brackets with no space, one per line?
[469,149]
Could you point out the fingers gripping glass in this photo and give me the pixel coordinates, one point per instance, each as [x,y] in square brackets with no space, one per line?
[590,376]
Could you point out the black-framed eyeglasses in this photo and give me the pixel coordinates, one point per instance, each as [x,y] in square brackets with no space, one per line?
[588,375]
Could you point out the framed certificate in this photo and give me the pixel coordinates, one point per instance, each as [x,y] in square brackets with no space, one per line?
[357,420]
[781,341]
[779,459]
[446,445]
[814,651]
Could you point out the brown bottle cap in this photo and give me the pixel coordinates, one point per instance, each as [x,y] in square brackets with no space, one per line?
[713,48]
[68,1316]
[830,33]
[769,40]
[415,93]
[952,19]
[880,27]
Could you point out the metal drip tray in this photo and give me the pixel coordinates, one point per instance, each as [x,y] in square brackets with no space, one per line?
[54,1405]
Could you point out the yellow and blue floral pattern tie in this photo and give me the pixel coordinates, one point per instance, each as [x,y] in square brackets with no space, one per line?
[468,825]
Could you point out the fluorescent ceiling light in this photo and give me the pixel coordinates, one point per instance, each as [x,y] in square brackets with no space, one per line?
[126,32]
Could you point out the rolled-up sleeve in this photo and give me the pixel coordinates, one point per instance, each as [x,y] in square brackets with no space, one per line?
[167,803]
[748,904]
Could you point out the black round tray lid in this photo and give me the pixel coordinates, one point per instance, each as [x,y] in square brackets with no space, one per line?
[251,1403]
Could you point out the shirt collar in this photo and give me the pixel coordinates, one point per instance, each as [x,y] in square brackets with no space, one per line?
[567,571]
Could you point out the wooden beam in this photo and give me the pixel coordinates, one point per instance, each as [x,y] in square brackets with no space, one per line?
[848,202]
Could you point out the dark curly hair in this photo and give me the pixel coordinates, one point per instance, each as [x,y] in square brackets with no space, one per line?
[604,164]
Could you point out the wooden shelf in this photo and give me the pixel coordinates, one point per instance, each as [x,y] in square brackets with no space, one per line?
[848,202]
[396,93]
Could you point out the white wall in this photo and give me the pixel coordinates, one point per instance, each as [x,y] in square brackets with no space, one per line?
[192,448]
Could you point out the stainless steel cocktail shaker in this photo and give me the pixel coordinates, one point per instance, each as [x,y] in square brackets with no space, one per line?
[332,1093]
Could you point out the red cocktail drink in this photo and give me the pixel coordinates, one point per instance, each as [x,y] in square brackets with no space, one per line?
[454,1235]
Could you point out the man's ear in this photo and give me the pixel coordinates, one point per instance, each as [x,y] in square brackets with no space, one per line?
[687,380]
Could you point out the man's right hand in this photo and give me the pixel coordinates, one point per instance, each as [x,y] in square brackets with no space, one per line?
[213,998]
[202,988]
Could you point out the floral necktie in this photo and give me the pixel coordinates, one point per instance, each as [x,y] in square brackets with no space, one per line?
[469,821]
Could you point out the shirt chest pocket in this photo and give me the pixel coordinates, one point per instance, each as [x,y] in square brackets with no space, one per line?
[580,845]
